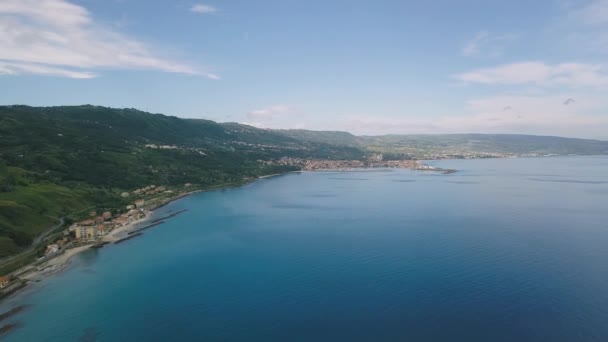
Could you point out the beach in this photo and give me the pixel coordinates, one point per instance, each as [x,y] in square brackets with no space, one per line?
[122,231]
[373,248]
[62,259]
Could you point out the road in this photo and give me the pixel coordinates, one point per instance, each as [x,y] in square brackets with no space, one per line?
[35,243]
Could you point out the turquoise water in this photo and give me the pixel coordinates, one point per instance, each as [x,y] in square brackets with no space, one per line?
[503,250]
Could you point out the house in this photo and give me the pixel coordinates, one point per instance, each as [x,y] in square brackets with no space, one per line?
[119,221]
[86,223]
[4,280]
[51,249]
[106,215]
[101,230]
[139,203]
[130,206]
[124,194]
[86,232]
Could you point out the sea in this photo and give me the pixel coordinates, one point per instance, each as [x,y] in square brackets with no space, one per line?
[502,250]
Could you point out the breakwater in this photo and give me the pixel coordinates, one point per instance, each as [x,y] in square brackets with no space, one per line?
[128,238]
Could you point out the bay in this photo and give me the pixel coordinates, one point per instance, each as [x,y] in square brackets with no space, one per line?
[502,250]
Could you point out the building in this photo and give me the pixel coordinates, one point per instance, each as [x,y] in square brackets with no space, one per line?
[120,221]
[86,223]
[51,249]
[86,232]
[139,203]
[4,280]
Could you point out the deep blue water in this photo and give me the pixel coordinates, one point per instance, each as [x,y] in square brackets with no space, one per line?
[503,250]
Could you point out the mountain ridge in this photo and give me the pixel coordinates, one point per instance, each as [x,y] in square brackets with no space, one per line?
[55,161]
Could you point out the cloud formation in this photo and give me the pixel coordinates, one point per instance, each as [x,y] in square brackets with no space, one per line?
[25,68]
[270,112]
[594,13]
[58,38]
[203,9]
[539,73]
[544,115]
[486,43]
[538,113]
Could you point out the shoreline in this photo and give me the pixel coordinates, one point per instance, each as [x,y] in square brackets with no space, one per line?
[61,261]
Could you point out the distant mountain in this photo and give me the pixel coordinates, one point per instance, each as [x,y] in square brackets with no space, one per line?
[424,146]
[459,145]
[59,160]
[56,161]
[327,137]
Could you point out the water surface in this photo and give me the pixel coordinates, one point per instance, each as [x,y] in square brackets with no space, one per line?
[503,250]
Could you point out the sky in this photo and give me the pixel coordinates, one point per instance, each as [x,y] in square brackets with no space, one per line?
[364,66]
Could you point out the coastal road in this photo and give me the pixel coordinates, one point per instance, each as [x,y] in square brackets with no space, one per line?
[35,243]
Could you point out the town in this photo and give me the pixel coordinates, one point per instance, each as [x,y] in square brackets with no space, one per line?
[95,230]
[374,161]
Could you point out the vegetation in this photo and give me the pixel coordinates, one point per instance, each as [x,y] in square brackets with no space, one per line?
[423,145]
[61,162]
[55,161]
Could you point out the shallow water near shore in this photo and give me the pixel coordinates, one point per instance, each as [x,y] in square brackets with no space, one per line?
[502,250]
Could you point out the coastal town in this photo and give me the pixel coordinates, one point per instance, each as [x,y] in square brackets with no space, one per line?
[99,228]
[376,160]
[115,225]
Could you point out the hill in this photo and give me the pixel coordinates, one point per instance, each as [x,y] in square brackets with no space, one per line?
[429,146]
[58,160]
[336,138]
[63,161]
[433,146]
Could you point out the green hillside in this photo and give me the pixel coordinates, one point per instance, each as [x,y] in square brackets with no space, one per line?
[328,137]
[58,160]
[422,146]
[55,161]
[454,145]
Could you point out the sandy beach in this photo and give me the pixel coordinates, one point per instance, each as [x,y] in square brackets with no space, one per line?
[54,265]
[121,232]
[59,262]
[62,260]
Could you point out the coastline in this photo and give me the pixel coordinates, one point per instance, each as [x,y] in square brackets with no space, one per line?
[61,261]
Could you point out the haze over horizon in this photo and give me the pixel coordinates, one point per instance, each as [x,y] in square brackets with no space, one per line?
[366,67]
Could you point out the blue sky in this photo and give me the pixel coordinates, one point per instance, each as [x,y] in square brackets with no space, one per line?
[369,67]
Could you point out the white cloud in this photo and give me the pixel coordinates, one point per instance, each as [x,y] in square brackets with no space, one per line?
[270,112]
[26,68]
[594,13]
[537,113]
[580,29]
[472,47]
[201,8]
[56,37]
[486,43]
[539,73]
[543,115]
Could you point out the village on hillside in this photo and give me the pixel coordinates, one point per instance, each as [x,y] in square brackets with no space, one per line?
[91,231]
